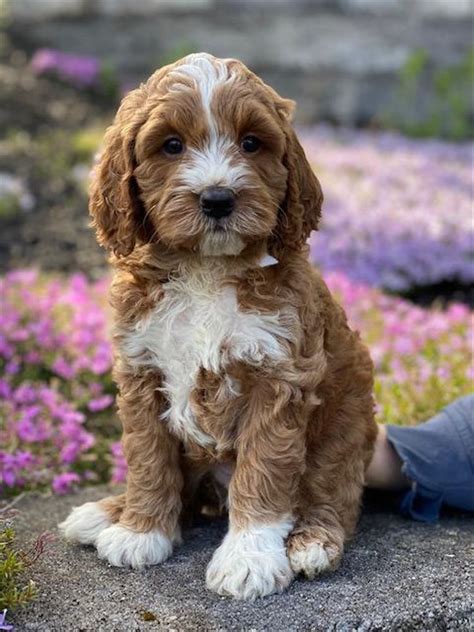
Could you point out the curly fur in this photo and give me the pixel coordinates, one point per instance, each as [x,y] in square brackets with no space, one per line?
[224,364]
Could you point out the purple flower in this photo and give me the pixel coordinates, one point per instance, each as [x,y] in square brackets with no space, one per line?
[63,368]
[63,482]
[100,403]
[69,453]
[25,394]
[81,70]
[3,622]
[12,367]
[5,389]
[397,212]
[119,469]
[7,475]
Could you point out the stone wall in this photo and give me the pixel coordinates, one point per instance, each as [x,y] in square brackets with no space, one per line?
[38,9]
[338,58]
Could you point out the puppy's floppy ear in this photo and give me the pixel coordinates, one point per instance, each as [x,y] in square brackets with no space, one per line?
[301,210]
[116,210]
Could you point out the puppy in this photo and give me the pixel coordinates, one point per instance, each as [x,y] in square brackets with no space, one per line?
[233,361]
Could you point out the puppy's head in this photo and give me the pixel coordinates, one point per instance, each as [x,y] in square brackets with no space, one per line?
[203,157]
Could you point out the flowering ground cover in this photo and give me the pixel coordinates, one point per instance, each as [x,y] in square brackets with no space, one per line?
[56,362]
[58,426]
[397,211]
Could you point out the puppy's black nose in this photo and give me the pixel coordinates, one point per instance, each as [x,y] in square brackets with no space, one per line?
[217,202]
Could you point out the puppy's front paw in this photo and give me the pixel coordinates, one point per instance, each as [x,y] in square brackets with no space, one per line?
[121,546]
[312,555]
[85,523]
[250,563]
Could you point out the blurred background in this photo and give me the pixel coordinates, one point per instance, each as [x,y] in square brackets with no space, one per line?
[385,113]
[375,64]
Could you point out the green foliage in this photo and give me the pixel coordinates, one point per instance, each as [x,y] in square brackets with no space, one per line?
[449,111]
[52,159]
[183,48]
[9,206]
[109,82]
[412,69]
[415,399]
[15,589]
[4,22]
[86,142]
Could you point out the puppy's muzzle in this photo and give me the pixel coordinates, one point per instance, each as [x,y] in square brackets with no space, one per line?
[217,202]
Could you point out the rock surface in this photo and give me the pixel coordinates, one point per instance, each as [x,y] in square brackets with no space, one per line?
[339,59]
[396,575]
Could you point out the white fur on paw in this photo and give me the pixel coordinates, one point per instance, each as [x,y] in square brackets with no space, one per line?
[85,523]
[251,563]
[121,546]
[311,560]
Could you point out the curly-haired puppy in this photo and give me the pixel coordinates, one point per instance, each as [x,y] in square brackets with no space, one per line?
[233,361]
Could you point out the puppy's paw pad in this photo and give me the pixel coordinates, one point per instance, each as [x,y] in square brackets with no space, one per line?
[312,558]
[247,567]
[85,523]
[121,546]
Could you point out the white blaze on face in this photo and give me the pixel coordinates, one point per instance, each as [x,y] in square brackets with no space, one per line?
[214,164]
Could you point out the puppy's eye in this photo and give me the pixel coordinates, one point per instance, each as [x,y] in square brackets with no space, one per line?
[250,144]
[173,146]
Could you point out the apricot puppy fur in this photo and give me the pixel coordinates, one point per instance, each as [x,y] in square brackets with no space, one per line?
[234,364]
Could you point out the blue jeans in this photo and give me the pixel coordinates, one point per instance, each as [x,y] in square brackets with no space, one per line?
[438,458]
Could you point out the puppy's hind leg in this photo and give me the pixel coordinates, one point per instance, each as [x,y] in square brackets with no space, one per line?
[85,523]
[316,544]
[330,492]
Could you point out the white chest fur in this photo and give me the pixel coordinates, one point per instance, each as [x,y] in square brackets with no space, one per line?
[197,324]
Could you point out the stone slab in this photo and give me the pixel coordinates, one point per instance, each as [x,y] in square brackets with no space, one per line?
[396,575]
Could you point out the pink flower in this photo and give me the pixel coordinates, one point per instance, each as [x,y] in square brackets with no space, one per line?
[119,470]
[62,483]
[100,403]
[444,373]
[404,345]
[5,389]
[12,367]
[63,368]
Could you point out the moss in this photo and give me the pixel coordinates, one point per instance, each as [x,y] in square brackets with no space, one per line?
[15,589]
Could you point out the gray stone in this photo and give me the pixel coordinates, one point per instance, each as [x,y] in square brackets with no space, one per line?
[54,8]
[396,575]
[340,60]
